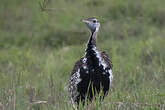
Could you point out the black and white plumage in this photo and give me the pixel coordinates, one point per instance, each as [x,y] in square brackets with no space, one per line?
[93,72]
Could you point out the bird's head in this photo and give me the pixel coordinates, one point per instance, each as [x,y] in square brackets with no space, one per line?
[92,23]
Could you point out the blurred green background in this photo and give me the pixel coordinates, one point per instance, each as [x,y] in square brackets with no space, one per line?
[38,49]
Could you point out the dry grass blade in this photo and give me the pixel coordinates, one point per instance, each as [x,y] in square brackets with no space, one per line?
[36,103]
[39,102]
[51,98]
[43,6]
[1,107]
[136,104]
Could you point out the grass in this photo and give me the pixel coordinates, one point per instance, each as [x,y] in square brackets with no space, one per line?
[38,50]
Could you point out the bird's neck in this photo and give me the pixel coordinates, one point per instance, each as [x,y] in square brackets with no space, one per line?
[92,54]
[92,41]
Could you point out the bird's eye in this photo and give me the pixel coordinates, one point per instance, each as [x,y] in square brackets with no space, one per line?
[94,21]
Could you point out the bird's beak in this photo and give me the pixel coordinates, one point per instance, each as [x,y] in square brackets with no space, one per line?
[85,21]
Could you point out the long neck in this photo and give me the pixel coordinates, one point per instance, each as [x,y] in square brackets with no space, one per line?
[92,41]
[92,53]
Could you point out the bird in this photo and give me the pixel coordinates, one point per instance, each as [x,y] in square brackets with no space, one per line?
[93,72]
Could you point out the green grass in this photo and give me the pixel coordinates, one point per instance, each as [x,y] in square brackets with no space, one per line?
[38,51]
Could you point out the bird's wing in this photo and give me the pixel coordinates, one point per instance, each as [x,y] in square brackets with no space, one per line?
[107,59]
[74,80]
[77,65]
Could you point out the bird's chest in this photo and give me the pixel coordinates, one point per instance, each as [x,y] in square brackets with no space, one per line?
[94,70]
[94,67]
[95,62]
[96,75]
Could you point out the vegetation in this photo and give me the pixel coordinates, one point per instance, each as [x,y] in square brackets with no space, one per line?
[38,49]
